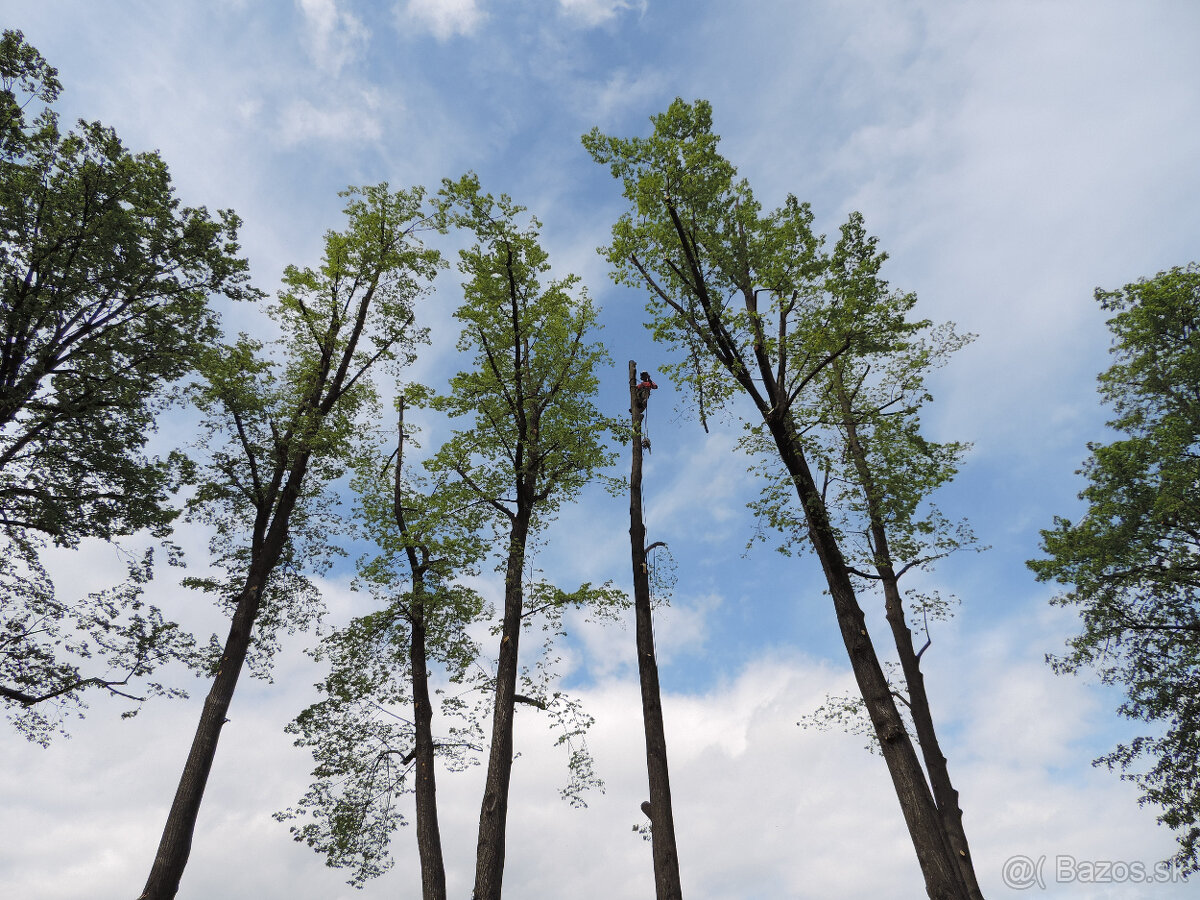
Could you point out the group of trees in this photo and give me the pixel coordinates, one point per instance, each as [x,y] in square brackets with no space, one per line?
[107,312]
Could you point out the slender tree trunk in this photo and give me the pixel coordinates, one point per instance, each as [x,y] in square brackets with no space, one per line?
[943,879]
[493,815]
[176,843]
[667,885]
[429,837]
[944,794]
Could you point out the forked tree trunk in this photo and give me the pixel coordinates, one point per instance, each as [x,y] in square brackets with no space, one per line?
[493,815]
[943,878]
[944,794]
[662,821]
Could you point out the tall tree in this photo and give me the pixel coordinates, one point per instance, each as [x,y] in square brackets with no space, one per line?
[661,813]
[372,735]
[106,280]
[861,425]
[746,298]
[533,440]
[280,432]
[1131,561]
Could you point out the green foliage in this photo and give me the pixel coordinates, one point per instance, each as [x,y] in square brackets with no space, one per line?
[832,359]
[756,306]
[1131,561]
[568,719]
[532,439]
[747,297]
[25,77]
[362,734]
[534,436]
[46,642]
[283,421]
[106,279]
[872,402]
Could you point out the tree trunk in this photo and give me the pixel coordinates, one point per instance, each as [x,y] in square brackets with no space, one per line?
[176,843]
[429,835]
[944,795]
[667,885]
[493,815]
[943,879]
[429,838]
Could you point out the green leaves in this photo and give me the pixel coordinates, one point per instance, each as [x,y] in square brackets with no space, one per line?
[1131,561]
[754,303]
[105,287]
[535,436]
[284,421]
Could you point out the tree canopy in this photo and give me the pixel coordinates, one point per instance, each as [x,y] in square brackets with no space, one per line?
[106,287]
[1131,561]
[282,426]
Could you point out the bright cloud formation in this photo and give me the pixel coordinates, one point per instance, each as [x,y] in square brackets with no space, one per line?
[302,121]
[334,34]
[596,12]
[444,18]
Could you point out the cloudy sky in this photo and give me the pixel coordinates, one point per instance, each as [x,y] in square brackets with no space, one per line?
[1011,157]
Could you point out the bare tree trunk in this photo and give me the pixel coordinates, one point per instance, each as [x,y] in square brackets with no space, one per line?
[493,815]
[667,885]
[176,844]
[429,837]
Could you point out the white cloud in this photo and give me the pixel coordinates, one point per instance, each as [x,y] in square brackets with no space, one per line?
[622,91]
[763,808]
[597,12]
[334,35]
[444,18]
[301,121]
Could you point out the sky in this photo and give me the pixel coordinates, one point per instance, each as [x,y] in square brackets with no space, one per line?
[1010,156]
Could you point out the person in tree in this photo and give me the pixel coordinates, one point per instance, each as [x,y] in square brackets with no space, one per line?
[644,387]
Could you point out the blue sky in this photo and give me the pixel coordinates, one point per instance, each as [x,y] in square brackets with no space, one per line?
[1011,157]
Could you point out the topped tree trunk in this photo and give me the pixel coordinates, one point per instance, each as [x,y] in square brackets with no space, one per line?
[662,821]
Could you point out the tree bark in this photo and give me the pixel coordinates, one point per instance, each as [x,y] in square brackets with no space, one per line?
[493,815]
[667,884]
[944,794]
[176,844]
[429,836]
